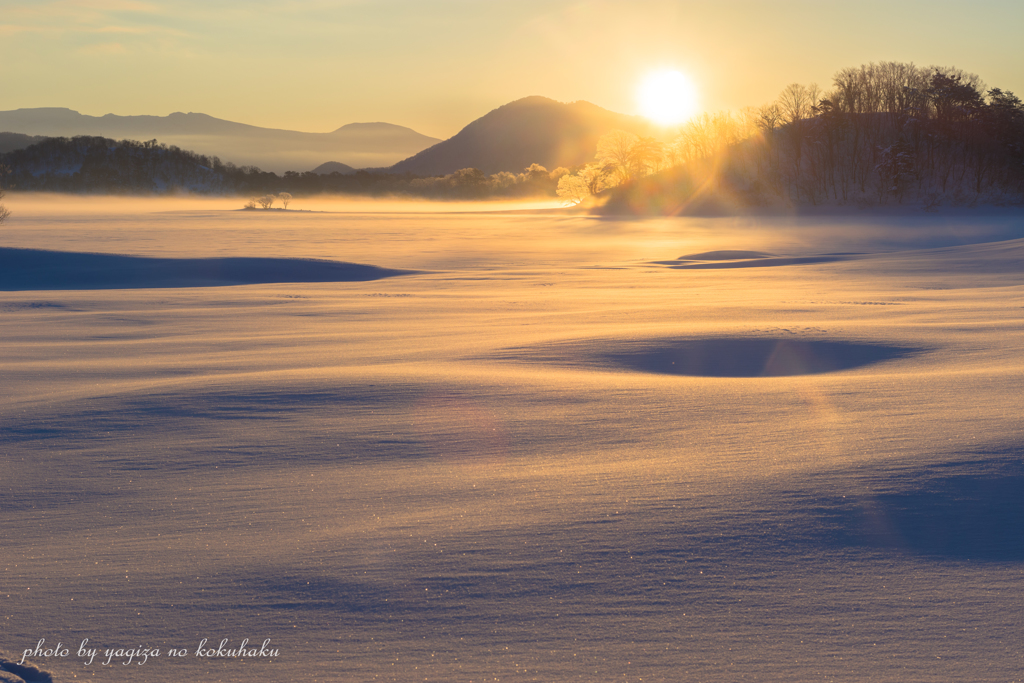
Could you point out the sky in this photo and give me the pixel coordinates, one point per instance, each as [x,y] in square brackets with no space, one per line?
[436,65]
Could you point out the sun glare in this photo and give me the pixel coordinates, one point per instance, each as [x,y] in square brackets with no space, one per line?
[667,97]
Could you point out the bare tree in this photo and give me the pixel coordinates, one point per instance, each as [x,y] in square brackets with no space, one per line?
[266,201]
[629,156]
[285,198]
[769,118]
[795,102]
[595,176]
[706,136]
[573,189]
[615,152]
[649,156]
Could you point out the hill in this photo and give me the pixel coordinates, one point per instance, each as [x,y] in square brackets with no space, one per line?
[533,130]
[95,164]
[333,167]
[12,141]
[357,144]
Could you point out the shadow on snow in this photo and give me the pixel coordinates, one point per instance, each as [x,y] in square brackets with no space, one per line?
[36,269]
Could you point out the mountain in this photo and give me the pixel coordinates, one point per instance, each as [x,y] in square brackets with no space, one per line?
[333,167]
[356,144]
[528,131]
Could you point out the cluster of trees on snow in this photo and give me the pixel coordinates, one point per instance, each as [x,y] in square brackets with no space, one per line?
[466,183]
[101,165]
[885,133]
[472,182]
[267,201]
[891,132]
[622,158]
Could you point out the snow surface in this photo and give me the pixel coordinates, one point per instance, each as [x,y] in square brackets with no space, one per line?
[487,470]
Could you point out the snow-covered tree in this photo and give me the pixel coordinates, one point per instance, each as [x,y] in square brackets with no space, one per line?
[572,189]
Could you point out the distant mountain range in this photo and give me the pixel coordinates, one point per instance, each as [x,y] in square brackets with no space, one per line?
[357,145]
[533,130]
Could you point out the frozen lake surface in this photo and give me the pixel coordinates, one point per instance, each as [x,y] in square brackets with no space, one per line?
[524,446]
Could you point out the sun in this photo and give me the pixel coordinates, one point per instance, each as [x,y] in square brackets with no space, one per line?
[667,97]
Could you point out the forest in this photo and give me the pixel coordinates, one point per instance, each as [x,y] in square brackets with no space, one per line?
[887,133]
[99,165]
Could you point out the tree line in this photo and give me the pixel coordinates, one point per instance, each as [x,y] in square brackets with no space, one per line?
[100,165]
[885,133]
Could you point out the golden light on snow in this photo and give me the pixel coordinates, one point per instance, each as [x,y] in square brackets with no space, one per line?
[667,97]
[502,418]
